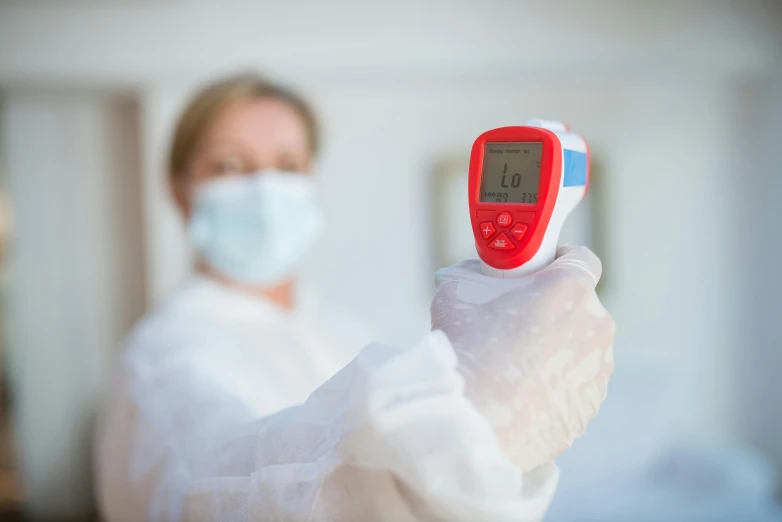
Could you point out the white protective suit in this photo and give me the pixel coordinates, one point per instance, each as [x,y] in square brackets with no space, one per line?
[214,418]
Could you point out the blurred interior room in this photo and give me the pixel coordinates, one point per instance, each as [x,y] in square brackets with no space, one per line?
[681,102]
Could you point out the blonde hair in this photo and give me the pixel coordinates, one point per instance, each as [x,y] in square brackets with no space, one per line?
[211,100]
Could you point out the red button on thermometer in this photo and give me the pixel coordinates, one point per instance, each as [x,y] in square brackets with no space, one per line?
[524,182]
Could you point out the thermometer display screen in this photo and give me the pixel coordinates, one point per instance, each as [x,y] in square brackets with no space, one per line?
[511,172]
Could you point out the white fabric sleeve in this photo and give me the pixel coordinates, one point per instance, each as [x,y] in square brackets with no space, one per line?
[391,437]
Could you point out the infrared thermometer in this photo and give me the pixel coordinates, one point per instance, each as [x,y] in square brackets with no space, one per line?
[524,181]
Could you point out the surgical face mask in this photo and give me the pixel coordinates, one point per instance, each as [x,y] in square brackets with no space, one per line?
[256,228]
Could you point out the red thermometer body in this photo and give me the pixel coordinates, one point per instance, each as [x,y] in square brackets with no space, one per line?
[523,183]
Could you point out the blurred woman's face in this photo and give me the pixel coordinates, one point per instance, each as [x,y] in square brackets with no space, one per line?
[246,137]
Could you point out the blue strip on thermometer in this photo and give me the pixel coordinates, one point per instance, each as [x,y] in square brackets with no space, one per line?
[575,169]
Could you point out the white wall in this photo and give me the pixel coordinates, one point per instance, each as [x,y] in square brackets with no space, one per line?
[75,280]
[167,257]
[130,42]
[759,350]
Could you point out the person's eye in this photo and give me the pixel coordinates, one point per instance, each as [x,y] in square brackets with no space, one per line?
[226,167]
[290,163]
[289,167]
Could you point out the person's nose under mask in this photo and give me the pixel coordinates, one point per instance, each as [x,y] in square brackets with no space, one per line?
[256,228]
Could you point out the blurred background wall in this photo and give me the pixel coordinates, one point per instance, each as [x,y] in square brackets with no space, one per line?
[681,102]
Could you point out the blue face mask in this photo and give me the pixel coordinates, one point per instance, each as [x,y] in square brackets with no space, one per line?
[256,228]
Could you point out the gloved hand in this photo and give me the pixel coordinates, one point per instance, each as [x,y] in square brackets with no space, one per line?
[536,352]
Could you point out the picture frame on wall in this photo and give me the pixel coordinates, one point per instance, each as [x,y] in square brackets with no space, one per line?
[452,237]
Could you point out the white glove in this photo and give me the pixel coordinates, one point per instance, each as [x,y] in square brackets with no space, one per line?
[536,352]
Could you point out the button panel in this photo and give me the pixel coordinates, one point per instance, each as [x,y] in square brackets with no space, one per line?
[501,242]
[515,222]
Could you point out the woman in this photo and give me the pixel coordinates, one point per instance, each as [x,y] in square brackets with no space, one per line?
[236,401]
